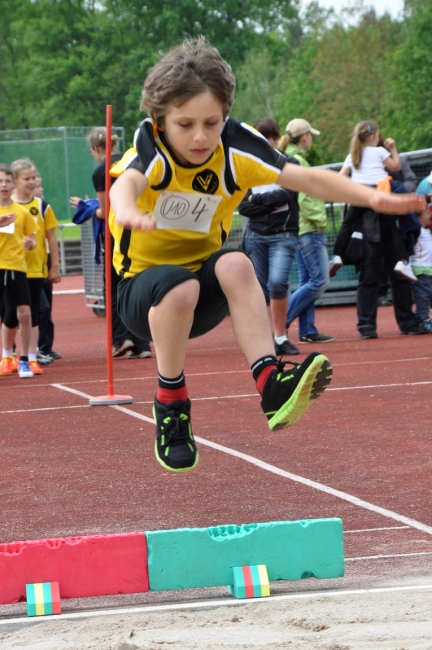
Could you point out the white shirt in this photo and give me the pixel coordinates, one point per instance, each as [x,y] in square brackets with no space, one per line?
[371,170]
[423,249]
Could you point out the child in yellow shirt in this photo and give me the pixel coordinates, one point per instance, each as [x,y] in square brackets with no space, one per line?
[17,228]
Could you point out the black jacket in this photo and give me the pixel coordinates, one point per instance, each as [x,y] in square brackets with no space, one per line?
[261,210]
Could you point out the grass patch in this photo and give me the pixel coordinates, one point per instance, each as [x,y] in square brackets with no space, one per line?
[70,232]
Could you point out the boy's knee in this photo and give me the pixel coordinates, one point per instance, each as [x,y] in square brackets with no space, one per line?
[183,296]
[24,315]
[233,266]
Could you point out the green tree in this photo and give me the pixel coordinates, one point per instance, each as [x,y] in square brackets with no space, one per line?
[409,99]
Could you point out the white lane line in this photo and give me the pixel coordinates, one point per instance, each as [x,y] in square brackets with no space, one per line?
[380,557]
[232,602]
[204,399]
[71,390]
[67,292]
[280,472]
[373,530]
[49,408]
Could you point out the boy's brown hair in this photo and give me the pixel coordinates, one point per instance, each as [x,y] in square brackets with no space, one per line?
[188,70]
[7,169]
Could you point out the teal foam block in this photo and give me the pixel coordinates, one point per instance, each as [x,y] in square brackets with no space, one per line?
[186,558]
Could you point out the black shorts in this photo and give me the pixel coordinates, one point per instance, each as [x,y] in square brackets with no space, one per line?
[35,288]
[14,292]
[146,289]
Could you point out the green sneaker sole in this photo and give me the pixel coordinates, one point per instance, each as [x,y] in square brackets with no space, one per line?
[180,470]
[314,381]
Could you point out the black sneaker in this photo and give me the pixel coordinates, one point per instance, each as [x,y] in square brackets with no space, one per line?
[316,338]
[287,394]
[285,348]
[175,446]
[418,328]
[368,334]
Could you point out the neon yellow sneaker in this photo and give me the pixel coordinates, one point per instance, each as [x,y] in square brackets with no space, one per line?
[288,393]
[175,446]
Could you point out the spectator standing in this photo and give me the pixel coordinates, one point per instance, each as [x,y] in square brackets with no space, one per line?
[123,340]
[45,353]
[421,262]
[312,258]
[384,239]
[271,241]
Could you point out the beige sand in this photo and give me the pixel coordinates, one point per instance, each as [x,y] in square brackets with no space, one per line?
[394,620]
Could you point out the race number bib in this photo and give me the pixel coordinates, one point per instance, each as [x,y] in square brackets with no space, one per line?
[185,211]
[8,230]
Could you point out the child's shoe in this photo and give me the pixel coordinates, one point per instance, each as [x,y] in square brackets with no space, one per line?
[24,369]
[175,447]
[6,366]
[14,362]
[287,394]
[35,367]
[405,270]
[334,265]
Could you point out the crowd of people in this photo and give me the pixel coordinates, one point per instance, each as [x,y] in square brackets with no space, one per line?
[173,199]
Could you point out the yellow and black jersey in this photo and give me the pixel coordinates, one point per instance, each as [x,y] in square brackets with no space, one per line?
[12,257]
[37,259]
[193,206]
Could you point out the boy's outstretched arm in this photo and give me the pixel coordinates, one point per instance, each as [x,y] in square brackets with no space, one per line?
[330,186]
[123,196]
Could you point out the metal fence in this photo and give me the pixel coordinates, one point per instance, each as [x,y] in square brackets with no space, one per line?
[62,157]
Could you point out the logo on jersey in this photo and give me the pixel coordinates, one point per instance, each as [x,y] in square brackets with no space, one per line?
[206,182]
[34,211]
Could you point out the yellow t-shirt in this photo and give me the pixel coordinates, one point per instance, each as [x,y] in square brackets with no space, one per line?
[193,206]
[43,215]
[12,256]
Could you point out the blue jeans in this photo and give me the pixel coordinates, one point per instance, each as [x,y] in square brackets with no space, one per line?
[272,256]
[422,290]
[312,262]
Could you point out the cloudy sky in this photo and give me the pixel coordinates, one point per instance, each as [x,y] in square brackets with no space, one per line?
[392,6]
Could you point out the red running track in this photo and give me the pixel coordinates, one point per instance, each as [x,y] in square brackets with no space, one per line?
[364,447]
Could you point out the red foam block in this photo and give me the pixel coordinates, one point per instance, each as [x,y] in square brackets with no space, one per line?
[94,565]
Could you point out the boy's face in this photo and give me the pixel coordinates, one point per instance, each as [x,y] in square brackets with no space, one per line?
[26,181]
[193,129]
[7,186]
[38,189]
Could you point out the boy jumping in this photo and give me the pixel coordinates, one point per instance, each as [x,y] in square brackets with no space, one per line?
[172,208]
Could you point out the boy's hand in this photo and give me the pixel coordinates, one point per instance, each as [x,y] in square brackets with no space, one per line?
[29,242]
[137,221]
[6,219]
[397,203]
[74,200]
[54,274]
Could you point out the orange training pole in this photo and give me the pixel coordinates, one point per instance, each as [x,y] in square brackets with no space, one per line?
[111,398]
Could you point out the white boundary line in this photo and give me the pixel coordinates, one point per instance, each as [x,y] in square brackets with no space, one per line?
[232,602]
[413,523]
